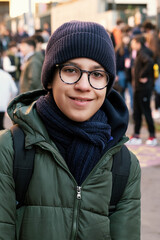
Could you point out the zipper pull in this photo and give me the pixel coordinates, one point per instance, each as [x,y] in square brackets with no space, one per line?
[78,192]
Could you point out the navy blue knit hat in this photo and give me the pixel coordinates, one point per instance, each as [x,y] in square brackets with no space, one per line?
[77,39]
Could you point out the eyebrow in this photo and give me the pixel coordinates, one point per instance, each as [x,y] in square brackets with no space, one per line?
[98,66]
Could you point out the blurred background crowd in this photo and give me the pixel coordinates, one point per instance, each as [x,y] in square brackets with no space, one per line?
[22,51]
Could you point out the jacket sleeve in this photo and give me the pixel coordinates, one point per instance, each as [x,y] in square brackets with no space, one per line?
[125,221]
[34,75]
[7,193]
[7,66]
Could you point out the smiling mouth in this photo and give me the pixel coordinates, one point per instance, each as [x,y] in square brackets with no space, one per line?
[81,99]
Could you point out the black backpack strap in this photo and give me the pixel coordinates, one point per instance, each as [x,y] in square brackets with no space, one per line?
[23,164]
[120,174]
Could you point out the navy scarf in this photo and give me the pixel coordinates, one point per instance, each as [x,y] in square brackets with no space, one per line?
[81,143]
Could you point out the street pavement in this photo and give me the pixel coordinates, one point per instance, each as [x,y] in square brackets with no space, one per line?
[149,158]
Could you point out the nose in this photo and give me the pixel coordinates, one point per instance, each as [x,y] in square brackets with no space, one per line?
[83,83]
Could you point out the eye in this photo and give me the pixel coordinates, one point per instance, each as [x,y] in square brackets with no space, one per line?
[69,69]
[97,74]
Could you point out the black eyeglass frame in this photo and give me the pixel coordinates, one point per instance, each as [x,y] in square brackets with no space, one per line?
[60,66]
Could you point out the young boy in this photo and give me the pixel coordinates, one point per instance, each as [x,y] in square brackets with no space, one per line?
[76,124]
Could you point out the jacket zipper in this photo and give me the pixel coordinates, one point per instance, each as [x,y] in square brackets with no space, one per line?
[76,212]
[78,192]
[77,203]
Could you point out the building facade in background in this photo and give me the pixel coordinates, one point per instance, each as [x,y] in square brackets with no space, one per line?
[34,13]
[105,12]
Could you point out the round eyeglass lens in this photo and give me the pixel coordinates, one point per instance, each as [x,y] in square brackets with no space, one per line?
[70,74]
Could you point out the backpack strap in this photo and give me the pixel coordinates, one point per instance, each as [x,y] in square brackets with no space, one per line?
[22,165]
[120,173]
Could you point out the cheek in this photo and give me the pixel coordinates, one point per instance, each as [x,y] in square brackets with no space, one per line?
[103,95]
[58,91]
[54,83]
[101,98]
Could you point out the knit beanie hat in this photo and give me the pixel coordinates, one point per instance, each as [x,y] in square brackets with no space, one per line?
[78,39]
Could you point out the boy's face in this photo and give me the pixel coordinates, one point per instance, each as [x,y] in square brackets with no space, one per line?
[78,101]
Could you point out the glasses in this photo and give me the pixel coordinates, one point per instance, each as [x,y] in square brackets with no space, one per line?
[71,74]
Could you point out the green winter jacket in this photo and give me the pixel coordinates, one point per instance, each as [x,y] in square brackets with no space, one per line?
[55,207]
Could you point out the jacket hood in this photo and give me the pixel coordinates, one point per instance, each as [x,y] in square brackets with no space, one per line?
[22,111]
[118,116]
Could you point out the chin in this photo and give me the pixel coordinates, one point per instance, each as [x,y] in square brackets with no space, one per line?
[78,118]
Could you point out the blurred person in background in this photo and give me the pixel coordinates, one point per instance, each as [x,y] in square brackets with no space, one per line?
[5,38]
[153,42]
[8,90]
[31,68]
[1,56]
[121,53]
[39,45]
[123,66]
[20,35]
[42,43]
[46,32]
[12,62]
[46,27]
[1,46]
[116,34]
[148,26]
[143,86]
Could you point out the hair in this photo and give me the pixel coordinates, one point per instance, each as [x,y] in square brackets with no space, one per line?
[153,42]
[119,21]
[38,31]
[120,48]
[140,38]
[147,25]
[30,41]
[12,44]
[126,29]
[38,38]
